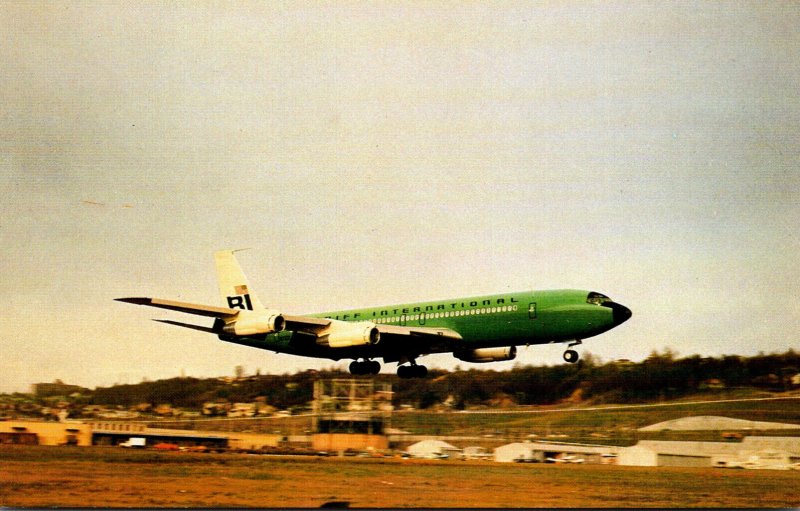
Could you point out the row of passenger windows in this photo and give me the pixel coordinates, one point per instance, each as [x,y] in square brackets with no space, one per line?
[448,314]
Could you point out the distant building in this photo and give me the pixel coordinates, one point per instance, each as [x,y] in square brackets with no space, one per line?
[533,452]
[715,423]
[350,414]
[662,453]
[752,452]
[48,433]
[57,388]
[432,449]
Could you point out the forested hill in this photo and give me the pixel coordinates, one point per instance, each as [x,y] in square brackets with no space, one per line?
[660,376]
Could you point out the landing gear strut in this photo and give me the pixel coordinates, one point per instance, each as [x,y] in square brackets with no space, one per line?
[571,355]
[365,367]
[412,371]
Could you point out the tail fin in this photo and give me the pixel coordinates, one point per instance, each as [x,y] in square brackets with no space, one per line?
[233,285]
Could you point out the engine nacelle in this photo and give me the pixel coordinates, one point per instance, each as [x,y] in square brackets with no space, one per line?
[487,354]
[346,334]
[256,323]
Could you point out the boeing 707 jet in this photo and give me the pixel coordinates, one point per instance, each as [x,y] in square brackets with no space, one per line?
[474,329]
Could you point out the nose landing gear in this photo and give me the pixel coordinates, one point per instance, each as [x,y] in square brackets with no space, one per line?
[571,355]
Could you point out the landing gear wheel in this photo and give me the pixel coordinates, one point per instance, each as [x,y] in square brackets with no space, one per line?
[571,356]
[413,371]
[374,367]
[365,367]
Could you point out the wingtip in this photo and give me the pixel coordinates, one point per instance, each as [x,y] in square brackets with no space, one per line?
[135,300]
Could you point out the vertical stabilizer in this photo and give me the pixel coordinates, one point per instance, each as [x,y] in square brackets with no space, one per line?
[233,285]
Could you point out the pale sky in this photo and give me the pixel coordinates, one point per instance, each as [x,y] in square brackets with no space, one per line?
[373,154]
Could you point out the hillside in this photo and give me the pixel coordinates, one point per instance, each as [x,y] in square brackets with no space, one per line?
[661,377]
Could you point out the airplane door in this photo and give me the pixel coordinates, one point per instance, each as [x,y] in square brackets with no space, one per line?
[532,310]
[403,320]
[422,319]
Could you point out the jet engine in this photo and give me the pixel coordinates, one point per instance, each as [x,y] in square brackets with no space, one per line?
[256,323]
[487,354]
[347,334]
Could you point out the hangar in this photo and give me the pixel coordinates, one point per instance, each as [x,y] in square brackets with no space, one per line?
[533,452]
[757,451]
[663,453]
[432,449]
[114,433]
[715,423]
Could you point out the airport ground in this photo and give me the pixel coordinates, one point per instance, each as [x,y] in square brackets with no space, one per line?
[37,476]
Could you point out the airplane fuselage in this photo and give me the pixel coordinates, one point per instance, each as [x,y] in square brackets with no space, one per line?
[509,319]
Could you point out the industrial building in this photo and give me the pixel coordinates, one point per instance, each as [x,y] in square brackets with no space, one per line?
[115,433]
[45,433]
[540,452]
[752,452]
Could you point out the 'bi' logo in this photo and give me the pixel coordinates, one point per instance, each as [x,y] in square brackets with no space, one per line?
[242,301]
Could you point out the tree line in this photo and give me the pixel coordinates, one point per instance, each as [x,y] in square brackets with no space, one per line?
[662,375]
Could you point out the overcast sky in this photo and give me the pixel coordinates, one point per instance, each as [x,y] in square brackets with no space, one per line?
[374,154]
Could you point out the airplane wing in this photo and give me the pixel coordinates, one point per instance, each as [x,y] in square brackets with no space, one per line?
[419,332]
[416,338]
[420,339]
[190,308]
[306,324]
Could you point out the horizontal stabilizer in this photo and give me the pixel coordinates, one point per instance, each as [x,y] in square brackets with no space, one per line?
[188,325]
[189,308]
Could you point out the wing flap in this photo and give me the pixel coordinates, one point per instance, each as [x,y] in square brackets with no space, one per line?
[306,323]
[422,332]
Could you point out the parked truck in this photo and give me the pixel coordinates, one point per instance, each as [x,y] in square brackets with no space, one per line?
[135,442]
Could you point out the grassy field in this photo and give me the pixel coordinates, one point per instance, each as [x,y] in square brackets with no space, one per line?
[112,477]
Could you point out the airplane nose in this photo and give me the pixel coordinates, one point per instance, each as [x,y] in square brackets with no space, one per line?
[621,313]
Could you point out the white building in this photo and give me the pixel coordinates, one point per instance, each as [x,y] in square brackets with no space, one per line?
[531,452]
[753,452]
[433,449]
[715,423]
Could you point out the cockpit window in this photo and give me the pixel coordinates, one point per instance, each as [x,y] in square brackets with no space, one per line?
[597,298]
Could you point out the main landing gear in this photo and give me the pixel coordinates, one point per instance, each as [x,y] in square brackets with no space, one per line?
[412,371]
[365,367]
[359,368]
[571,355]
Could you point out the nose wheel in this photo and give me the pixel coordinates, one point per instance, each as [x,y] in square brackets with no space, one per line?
[571,356]
[364,367]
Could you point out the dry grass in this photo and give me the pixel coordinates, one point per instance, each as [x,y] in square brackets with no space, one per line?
[86,477]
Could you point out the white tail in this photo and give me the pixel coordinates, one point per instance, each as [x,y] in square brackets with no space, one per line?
[233,285]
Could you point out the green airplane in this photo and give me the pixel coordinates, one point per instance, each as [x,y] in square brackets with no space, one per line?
[474,329]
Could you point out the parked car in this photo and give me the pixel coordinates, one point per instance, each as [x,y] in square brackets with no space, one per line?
[163,446]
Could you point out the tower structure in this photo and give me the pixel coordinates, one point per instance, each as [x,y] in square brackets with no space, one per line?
[351,414]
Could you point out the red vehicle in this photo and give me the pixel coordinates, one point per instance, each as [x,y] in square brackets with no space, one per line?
[163,446]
